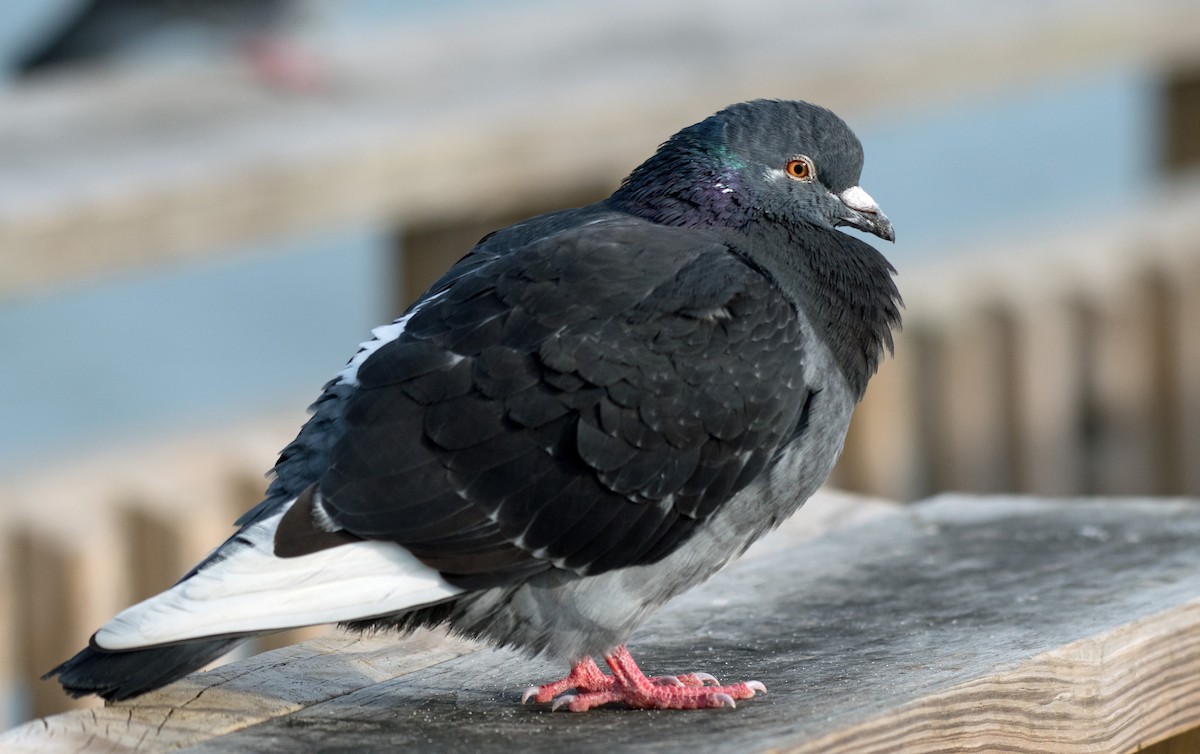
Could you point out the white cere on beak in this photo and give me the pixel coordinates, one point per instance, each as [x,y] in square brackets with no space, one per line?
[857,199]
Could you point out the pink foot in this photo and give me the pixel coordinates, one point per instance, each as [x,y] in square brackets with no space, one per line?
[629,685]
[585,675]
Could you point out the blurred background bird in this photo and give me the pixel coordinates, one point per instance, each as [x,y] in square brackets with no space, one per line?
[57,34]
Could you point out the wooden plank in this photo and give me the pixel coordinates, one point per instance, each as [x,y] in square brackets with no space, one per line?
[997,625]
[234,696]
[958,624]
[262,687]
[113,171]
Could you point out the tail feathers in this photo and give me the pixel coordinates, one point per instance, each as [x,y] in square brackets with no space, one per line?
[246,588]
[120,675]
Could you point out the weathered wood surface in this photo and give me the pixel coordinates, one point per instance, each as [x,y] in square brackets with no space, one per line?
[957,624]
[260,692]
[117,170]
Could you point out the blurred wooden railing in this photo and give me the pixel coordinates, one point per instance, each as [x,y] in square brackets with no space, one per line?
[1062,364]
[88,535]
[1076,371]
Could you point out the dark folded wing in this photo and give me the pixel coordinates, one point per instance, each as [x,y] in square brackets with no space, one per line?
[580,401]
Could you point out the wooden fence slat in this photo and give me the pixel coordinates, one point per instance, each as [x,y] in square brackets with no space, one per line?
[47,611]
[885,453]
[153,550]
[1187,343]
[973,413]
[12,676]
[1048,370]
[1126,441]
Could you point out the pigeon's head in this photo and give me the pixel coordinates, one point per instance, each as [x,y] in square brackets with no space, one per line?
[787,160]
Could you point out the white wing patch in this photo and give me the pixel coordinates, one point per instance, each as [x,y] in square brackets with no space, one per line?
[381,336]
[251,590]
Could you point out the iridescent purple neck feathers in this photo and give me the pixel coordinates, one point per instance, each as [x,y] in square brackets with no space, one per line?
[691,181]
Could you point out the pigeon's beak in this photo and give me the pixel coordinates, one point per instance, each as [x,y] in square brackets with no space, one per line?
[864,214]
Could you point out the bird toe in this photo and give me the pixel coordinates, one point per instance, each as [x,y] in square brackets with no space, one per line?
[723,700]
[699,679]
[668,680]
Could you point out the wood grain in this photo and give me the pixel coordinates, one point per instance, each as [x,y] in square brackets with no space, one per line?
[959,624]
[281,682]
[233,696]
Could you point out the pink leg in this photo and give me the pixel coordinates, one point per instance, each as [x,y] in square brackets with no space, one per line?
[585,675]
[631,687]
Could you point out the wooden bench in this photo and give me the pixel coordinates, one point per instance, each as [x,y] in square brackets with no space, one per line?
[959,623]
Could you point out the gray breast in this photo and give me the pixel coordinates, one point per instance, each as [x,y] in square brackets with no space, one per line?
[563,616]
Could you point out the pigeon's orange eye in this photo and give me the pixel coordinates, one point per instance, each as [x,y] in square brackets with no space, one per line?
[801,169]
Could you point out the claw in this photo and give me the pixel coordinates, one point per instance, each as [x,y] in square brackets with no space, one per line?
[706,679]
[756,686]
[724,700]
[562,701]
[668,680]
[529,694]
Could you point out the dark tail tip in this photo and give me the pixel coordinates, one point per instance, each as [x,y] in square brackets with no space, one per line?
[121,675]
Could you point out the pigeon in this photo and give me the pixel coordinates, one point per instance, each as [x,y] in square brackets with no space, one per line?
[593,411]
[91,30]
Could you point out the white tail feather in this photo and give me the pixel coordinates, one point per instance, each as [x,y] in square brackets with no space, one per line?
[250,590]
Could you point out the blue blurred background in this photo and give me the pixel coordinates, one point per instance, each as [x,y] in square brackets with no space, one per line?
[150,349]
